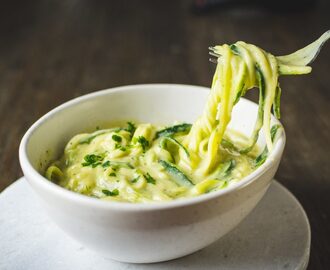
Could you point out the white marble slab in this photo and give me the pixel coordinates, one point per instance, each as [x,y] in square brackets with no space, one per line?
[276,235]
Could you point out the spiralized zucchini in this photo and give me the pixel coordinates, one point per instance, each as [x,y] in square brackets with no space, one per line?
[144,162]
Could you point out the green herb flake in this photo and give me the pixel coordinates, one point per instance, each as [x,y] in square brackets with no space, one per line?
[106,164]
[113,174]
[92,160]
[96,164]
[112,193]
[117,146]
[131,128]
[116,138]
[143,142]
[149,179]
[120,147]
[135,179]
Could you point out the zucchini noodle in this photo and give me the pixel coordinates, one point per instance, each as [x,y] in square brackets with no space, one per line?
[144,162]
[240,68]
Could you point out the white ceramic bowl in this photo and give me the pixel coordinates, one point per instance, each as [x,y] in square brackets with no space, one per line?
[151,232]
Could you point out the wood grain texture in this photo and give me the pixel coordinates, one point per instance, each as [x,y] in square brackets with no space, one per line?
[52,51]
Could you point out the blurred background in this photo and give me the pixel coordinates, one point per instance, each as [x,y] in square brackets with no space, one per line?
[53,51]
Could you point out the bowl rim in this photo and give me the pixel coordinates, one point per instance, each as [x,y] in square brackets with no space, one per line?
[34,176]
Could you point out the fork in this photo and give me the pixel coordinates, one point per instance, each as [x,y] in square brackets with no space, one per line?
[301,57]
[212,52]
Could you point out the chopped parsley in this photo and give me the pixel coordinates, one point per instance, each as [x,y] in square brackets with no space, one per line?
[135,179]
[92,160]
[131,128]
[112,174]
[117,146]
[143,142]
[106,164]
[120,147]
[149,179]
[116,138]
[112,193]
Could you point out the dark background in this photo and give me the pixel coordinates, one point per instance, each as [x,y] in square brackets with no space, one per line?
[53,51]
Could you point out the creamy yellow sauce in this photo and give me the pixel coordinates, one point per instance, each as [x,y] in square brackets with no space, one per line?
[117,165]
[144,162]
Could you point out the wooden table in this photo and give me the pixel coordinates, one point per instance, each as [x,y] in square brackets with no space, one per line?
[53,51]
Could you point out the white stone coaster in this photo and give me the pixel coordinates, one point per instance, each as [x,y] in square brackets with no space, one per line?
[276,235]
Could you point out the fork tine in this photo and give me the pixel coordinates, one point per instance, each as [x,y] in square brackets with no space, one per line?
[213,60]
[214,54]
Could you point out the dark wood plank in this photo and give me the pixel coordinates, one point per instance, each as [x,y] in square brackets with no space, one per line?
[52,51]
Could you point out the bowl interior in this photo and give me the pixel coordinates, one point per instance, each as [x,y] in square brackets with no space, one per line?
[158,104]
